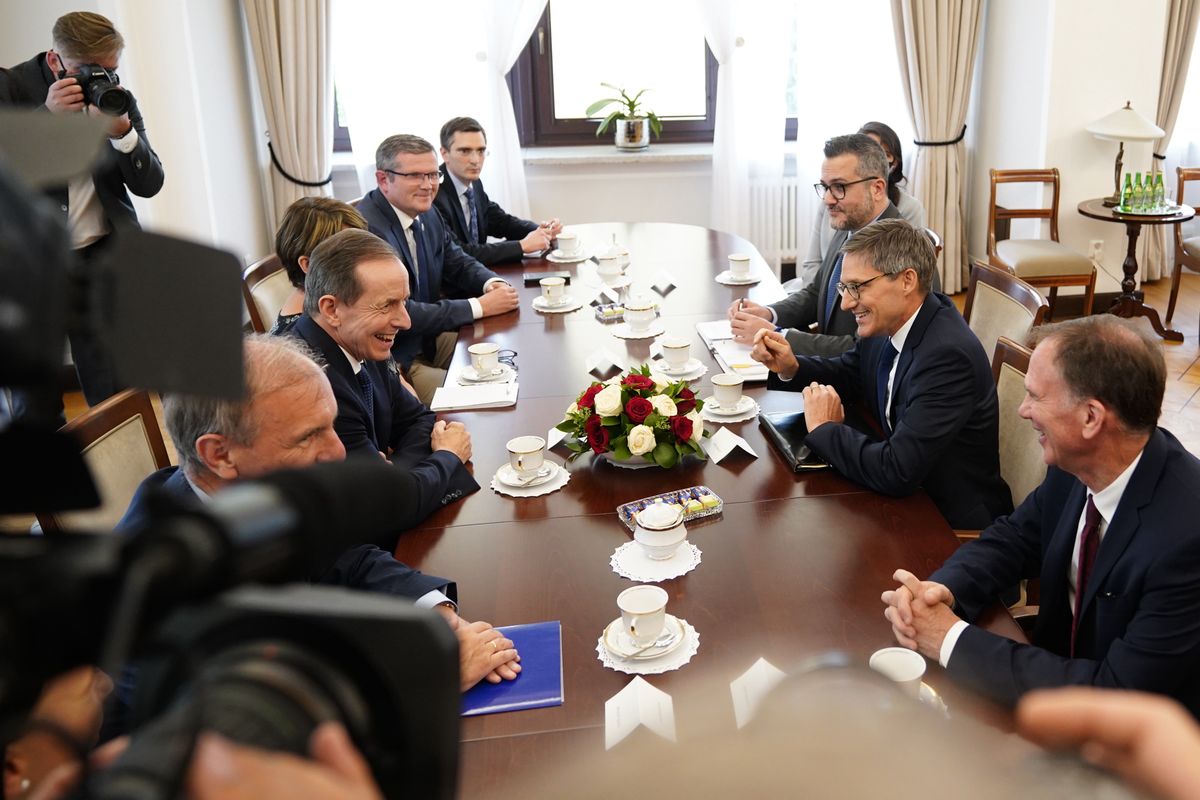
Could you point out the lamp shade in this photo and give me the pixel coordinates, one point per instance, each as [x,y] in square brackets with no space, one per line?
[1125,125]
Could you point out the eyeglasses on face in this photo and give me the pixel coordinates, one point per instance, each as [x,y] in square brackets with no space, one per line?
[838,188]
[855,289]
[418,177]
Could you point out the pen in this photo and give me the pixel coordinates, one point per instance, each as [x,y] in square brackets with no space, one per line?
[744,366]
[741,300]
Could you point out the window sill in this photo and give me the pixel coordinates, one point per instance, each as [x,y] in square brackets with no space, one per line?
[609,154]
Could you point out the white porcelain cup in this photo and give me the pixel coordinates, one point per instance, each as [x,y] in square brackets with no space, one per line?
[609,266]
[526,455]
[727,389]
[905,667]
[676,351]
[485,357]
[643,613]
[554,291]
[639,313]
[739,265]
[568,243]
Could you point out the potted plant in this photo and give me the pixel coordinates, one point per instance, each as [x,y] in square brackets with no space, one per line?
[633,123]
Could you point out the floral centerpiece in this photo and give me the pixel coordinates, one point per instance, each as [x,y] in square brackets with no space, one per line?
[636,414]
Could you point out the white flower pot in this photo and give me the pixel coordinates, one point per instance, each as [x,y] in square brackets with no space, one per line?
[633,134]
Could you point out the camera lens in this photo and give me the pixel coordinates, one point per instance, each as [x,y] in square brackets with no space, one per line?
[110,99]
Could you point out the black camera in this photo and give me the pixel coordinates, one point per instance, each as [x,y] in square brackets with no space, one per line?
[101,89]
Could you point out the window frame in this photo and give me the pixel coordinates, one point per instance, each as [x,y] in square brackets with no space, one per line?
[341,134]
[531,82]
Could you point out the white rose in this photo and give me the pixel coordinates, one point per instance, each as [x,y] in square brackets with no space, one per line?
[664,405]
[572,409]
[661,382]
[697,425]
[608,401]
[641,440]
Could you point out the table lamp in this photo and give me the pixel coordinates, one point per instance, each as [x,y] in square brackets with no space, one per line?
[1123,125]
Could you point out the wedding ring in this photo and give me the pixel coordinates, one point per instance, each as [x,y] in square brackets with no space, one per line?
[493,644]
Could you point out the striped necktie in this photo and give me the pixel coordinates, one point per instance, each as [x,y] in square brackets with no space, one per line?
[886,359]
[831,294]
[367,387]
[473,221]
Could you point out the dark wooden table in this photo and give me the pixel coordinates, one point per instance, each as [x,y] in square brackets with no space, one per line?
[1131,302]
[793,567]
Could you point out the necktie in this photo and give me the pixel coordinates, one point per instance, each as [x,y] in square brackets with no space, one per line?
[420,263]
[831,295]
[366,386]
[473,222]
[1089,543]
[887,357]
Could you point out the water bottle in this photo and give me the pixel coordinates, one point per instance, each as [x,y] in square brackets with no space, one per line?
[1126,203]
[1139,194]
[1160,195]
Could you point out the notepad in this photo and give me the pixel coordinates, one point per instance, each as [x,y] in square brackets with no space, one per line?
[461,398]
[731,356]
[540,682]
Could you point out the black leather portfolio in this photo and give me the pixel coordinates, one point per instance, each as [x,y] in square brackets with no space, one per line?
[786,432]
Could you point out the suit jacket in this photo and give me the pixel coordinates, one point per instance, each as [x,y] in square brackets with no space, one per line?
[363,567]
[797,311]
[445,270]
[945,434]
[1140,621]
[25,86]
[402,424]
[493,221]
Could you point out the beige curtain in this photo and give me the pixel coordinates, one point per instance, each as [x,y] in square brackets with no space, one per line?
[935,44]
[1177,54]
[290,40]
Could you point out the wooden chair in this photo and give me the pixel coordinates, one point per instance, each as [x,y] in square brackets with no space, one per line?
[1001,304]
[122,444]
[1187,251]
[1021,462]
[1038,262]
[265,288]
[935,240]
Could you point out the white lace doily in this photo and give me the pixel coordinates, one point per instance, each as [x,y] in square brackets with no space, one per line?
[695,373]
[708,416]
[630,561]
[560,479]
[652,666]
[622,330]
[572,304]
[727,279]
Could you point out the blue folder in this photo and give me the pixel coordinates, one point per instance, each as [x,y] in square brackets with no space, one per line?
[540,682]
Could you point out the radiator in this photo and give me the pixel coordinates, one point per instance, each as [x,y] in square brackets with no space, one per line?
[774,215]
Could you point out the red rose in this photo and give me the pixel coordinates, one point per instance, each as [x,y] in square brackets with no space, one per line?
[597,434]
[588,398]
[682,428]
[638,383]
[638,408]
[685,402]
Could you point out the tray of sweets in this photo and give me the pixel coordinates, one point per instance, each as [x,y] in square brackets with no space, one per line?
[697,501]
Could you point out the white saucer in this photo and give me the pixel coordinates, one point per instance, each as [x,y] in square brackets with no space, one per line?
[744,404]
[569,304]
[614,281]
[622,330]
[619,644]
[727,279]
[558,257]
[502,374]
[685,373]
[508,476]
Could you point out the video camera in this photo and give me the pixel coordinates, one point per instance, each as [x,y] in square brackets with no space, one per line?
[101,88]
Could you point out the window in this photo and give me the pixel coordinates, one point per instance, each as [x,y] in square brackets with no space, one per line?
[558,76]
[341,134]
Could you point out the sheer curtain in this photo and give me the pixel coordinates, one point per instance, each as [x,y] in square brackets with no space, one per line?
[408,67]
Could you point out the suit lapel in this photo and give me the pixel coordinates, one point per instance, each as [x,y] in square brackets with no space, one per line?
[835,246]
[396,237]
[1057,564]
[925,315]
[455,204]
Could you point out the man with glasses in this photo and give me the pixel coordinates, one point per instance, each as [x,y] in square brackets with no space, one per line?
[469,214]
[449,288]
[854,189]
[917,368]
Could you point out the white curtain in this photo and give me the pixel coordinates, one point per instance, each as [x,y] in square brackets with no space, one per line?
[291,46]
[748,41]
[936,43]
[408,67]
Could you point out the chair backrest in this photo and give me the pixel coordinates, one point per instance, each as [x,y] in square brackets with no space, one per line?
[995,212]
[1001,304]
[122,444]
[935,240]
[1021,462]
[265,288]
[1184,175]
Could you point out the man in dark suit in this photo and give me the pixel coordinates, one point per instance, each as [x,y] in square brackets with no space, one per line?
[449,288]
[354,307]
[467,211]
[94,206]
[917,368]
[287,422]
[1111,532]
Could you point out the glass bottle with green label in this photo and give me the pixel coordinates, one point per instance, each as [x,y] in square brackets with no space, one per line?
[1160,194]
[1126,203]
[1139,194]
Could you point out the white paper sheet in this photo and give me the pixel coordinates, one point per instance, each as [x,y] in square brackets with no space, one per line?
[724,442]
[462,398]
[751,687]
[638,704]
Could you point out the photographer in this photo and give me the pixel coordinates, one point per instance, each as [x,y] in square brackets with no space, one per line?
[78,75]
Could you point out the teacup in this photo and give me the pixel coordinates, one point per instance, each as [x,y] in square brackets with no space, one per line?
[639,313]
[609,265]
[525,455]
[905,667]
[739,265]
[485,357]
[643,613]
[553,291]
[660,530]
[676,351]
[727,389]
[568,243]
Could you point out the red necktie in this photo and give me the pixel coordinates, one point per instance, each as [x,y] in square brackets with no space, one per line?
[1088,545]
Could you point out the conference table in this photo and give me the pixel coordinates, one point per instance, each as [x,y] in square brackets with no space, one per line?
[792,568]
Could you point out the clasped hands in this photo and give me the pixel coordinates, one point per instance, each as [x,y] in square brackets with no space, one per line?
[921,613]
